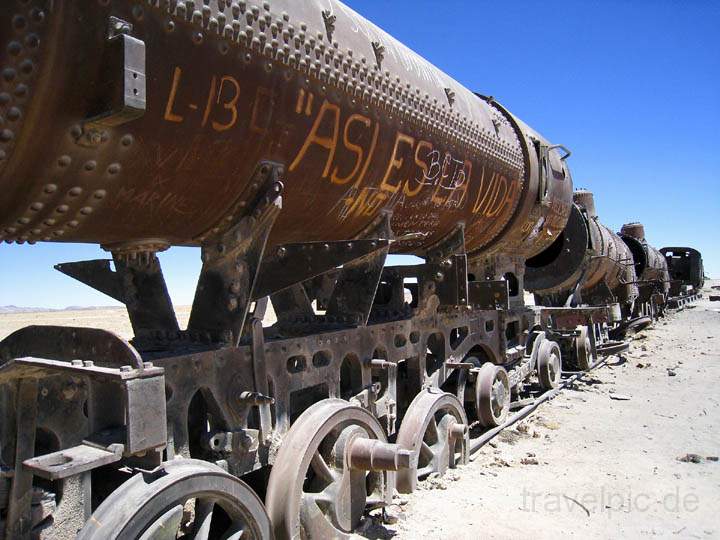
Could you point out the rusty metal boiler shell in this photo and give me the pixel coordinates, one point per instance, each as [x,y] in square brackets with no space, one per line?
[360,122]
[585,245]
[650,263]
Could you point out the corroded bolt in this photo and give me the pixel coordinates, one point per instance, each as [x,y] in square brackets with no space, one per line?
[281,252]
[88,363]
[77,362]
[125,369]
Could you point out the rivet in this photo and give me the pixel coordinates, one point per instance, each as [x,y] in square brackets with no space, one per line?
[114,168]
[6,135]
[21,90]
[64,161]
[14,48]
[100,194]
[37,15]
[19,22]
[86,210]
[50,188]
[63,208]
[127,140]
[27,67]
[32,41]
[90,165]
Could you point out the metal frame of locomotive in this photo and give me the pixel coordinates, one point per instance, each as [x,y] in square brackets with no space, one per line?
[345,376]
[372,375]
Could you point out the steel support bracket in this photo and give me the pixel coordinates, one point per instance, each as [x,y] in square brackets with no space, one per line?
[489,294]
[357,282]
[121,93]
[445,272]
[295,263]
[231,263]
[137,282]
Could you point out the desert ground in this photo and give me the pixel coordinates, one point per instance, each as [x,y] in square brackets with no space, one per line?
[629,451]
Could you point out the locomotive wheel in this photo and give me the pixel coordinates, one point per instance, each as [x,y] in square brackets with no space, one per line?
[549,364]
[186,498]
[312,491]
[492,395]
[435,431]
[583,350]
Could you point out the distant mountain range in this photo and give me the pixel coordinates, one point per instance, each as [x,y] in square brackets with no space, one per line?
[16,309]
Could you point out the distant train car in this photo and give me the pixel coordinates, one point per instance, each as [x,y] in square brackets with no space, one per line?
[687,275]
[685,266]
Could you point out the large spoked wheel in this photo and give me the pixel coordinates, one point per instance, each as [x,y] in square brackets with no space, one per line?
[187,499]
[316,488]
[435,431]
[492,395]
[583,350]
[549,364]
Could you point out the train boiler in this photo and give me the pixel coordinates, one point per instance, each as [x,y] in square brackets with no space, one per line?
[296,144]
[585,283]
[651,270]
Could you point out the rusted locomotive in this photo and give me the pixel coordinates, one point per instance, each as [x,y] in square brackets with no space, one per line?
[586,283]
[297,145]
[687,275]
[617,283]
[651,270]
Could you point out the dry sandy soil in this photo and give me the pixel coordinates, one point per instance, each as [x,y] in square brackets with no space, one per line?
[590,465]
[601,460]
[114,319]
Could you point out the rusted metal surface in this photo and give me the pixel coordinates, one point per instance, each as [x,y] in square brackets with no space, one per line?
[650,264]
[435,431]
[587,264]
[651,270]
[298,145]
[162,111]
[685,266]
[152,505]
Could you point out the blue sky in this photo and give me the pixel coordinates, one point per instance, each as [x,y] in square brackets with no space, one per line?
[632,88]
